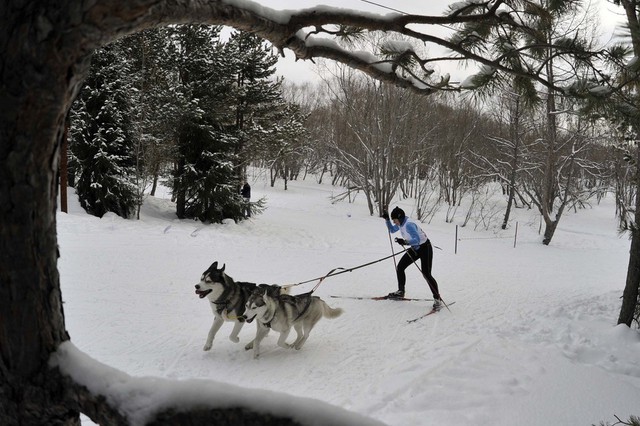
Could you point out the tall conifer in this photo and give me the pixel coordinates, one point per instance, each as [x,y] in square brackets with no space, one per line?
[102,137]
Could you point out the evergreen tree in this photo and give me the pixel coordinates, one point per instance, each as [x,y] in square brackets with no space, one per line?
[258,96]
[209,190]
[285,146]
[268,127]
[205,184]
[156,105]
[234,108]
[101,137]
[180,95]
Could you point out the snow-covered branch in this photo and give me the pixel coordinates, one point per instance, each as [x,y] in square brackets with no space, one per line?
[313,33]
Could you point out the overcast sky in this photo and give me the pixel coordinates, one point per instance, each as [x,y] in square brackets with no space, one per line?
[303,71]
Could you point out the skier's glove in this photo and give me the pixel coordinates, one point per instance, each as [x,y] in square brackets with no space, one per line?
[385,215]
[402,242]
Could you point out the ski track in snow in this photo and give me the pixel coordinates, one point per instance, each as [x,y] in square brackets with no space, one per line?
[532,335]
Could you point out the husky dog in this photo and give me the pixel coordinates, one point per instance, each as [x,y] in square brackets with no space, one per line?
[281,312]
[228,299]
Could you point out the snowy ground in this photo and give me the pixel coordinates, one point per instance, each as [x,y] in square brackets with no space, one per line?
[531,339]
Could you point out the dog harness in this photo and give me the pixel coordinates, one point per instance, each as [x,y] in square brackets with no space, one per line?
[285,298]
[222,303]
[268,324]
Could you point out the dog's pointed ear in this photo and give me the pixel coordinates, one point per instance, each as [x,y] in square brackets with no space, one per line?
[214,265]
[223,266]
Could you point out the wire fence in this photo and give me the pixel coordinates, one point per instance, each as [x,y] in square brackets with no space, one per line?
[514,237]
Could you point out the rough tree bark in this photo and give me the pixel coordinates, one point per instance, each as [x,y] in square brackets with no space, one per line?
[632,285]
[45,56]
[40,72]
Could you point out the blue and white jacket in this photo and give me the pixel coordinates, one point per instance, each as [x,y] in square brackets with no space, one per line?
[411,232]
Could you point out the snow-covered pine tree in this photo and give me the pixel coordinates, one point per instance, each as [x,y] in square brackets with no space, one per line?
[101,137]
[286,149]
[181,94]
[257,94]
[268,127]
[157,105]
[234,106]
[205,183]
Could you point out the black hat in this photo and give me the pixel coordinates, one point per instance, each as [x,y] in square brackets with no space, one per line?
[397,213]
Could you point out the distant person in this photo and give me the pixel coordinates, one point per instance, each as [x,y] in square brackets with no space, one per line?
[414,236]
[246,194]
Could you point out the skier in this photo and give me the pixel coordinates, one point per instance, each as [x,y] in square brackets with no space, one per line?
[414,236]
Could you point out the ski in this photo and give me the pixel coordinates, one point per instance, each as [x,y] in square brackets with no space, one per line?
[404,299]
[431,312]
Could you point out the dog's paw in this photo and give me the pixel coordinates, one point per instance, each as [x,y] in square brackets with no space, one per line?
[234,339]
[248,346]
[207,347]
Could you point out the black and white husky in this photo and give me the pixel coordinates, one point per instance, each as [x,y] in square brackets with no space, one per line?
[280,312]
[228,299]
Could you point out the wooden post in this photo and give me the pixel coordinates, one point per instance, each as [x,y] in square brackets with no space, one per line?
[63,171]
[456,245]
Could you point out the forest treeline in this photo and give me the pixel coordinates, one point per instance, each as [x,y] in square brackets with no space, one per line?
[180,104]
[190,107]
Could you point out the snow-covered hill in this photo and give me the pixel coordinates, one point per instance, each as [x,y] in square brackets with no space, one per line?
[531,339]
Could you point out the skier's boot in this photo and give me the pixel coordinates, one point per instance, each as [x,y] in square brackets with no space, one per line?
[396,295]
[437,304]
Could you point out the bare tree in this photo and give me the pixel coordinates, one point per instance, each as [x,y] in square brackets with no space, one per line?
[549,186]
[379,124]
[452,146]
[552,173]
[505,158]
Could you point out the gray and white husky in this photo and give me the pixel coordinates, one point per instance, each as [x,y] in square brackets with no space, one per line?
[228,299]
[283,311]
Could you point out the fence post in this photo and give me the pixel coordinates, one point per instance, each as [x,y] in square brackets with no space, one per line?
[456,245]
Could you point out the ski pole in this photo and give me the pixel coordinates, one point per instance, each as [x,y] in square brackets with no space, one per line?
[428,283]
[392,250]
[390,242]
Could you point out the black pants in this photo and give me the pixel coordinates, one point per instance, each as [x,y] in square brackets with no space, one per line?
[425,254]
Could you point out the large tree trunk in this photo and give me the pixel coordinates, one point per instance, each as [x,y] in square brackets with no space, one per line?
[549,230]
[632,285]
[630,293]
[38,79]
[43,64]
[631,289]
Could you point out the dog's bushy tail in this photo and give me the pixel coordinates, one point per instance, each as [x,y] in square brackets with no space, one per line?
[330,312]
[285,289]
